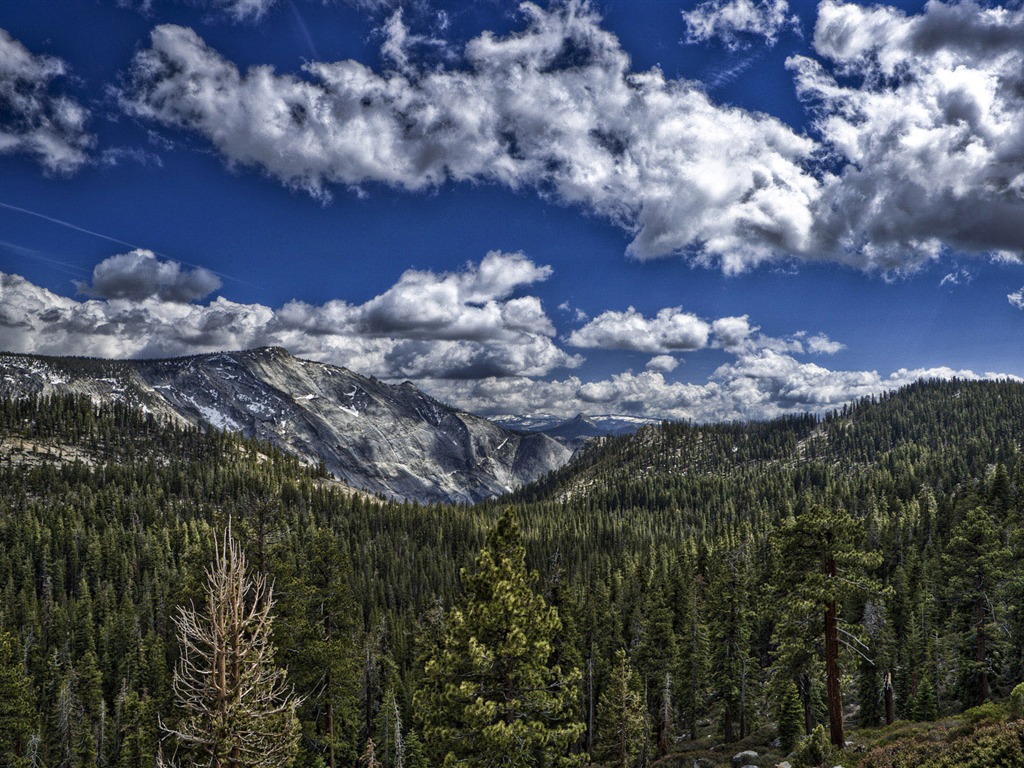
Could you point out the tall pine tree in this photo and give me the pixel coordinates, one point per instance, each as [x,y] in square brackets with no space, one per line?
[818,565]
[490,694]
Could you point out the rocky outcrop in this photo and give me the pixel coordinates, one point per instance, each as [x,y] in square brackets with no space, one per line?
[378,437]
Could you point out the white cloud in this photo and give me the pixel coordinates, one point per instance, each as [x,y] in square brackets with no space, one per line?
[735,21]
[925,116]
[472,324]
[955,278]
[732,333]
[141,275]
[671,330]
[33,121]
[1016,298]
[917,144]
[555,107]
[245,10]
[758,385]
[484,348]
[820,344]
[662,363]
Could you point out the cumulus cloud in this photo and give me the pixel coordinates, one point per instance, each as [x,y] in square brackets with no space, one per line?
[555,107]
[757,385]
[820,344]
[35,121]
[925,116]
[671,330]
[481,349]
[471,323]
[139,275]
[916,146]
[735,22]
[733,333]
[1016,298]
[663,363]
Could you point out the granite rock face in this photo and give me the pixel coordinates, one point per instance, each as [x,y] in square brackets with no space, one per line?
[377,437]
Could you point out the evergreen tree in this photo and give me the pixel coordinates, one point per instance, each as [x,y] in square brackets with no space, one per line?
[924,705]
[621,716]
[819,563]
[415,754]
[976,559]
[730,632]
[693,655]
[490,695]
[17,705]
[791,716]
[657,657]
[317,627]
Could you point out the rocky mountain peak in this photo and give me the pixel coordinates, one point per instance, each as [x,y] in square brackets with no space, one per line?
[389,439]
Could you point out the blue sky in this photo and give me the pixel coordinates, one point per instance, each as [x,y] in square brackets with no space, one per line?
[715,210]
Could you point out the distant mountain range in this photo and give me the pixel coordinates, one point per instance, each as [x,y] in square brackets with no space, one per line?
[578,430]
[384,439]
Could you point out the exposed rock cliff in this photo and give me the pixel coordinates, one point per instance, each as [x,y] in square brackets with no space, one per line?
[381,438]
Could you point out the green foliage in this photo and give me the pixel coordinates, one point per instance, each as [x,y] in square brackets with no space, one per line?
[622,716]
[989,712]
[986,744]
[1017,702]
[815,750]
[924,705]
[490,694]
[17,704]
[791,717]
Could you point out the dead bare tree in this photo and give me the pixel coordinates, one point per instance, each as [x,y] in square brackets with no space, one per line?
[240,712]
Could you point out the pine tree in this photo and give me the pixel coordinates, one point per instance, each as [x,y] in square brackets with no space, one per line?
[730,638]
[317,621]
[622,721]
[924,705]
[656,657]
[818,565]
[693,655]
[490,694]
[791,717]
[238,708]
[17,707]
[415,755]
[976,560]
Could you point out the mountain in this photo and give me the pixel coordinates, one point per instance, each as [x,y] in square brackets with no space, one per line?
[938,429]
[392,440]
[580,427]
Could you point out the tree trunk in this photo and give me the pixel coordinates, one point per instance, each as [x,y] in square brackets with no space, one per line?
[980,651]
[832,672]
[890,714]
[743,702]
[329,689]
[727,722]
[590,701]
[330,725]
[665,721]
[805,697]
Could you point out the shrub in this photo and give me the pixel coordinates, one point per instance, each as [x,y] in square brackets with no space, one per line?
[1017,702]
[815,750]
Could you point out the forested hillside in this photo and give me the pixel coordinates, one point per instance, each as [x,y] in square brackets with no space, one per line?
[708,583]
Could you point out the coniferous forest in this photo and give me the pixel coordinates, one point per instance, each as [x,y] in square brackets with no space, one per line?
[179,597]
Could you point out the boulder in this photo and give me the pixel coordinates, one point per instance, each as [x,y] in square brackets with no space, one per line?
[744,759]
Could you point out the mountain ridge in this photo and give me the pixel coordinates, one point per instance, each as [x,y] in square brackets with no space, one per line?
[393,440]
